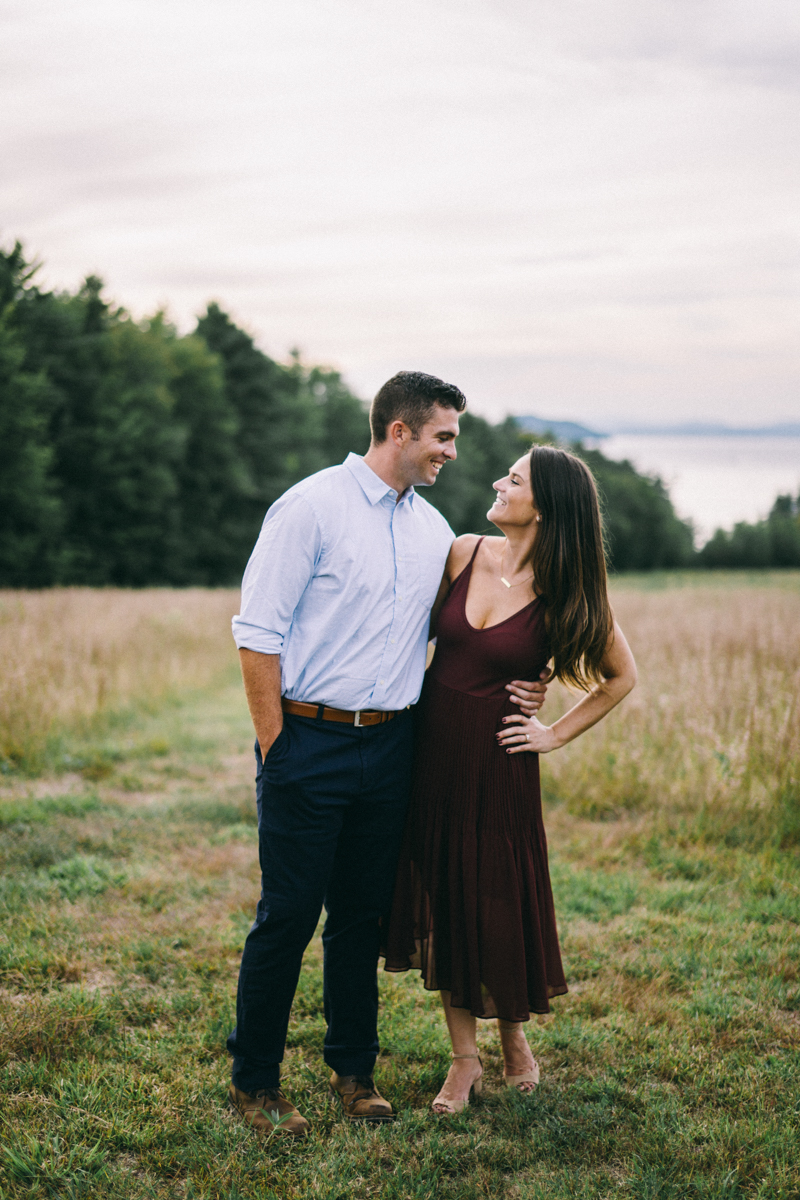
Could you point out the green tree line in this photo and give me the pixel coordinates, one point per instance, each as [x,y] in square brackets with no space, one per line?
[774,542]
[133,455]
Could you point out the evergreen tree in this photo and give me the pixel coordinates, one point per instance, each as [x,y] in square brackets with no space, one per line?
[292,421]
[345,419]
[280,427]
[115,444]
[31,514]
[784,531]
[212,478]
[771,543]
[119,456]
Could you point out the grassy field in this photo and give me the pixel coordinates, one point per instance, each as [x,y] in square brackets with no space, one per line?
[129,876]
[76,659]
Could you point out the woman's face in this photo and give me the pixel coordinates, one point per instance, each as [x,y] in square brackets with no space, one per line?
[513,506]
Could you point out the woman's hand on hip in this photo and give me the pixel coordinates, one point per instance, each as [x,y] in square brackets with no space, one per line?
[526,733]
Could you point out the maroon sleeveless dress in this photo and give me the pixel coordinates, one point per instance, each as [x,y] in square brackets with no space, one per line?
[473,908]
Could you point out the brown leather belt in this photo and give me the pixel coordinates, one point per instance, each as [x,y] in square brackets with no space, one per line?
[365,716]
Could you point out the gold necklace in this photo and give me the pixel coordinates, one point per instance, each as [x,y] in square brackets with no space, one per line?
[502,576]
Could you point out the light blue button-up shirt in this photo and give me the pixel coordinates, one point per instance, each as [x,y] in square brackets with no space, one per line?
[341,584]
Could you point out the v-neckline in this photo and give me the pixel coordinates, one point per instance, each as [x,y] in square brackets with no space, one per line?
[485,628]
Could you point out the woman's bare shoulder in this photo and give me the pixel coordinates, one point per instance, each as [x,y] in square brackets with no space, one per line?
[462,551]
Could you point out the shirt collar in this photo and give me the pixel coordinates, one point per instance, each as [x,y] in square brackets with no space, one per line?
[372,485]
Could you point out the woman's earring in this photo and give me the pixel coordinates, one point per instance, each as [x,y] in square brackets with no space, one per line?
[538,518]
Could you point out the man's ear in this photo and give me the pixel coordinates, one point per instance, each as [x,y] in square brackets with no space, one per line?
[398,432]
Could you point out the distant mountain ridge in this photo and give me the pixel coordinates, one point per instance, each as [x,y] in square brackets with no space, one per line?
[574,431]
[711,429]
[702,429]
[564,431]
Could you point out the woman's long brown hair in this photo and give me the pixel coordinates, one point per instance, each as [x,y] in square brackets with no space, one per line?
[569,564]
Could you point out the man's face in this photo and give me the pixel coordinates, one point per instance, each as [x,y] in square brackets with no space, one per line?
[424,456]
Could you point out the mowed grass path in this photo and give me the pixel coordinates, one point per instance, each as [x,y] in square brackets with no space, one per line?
[672,1068]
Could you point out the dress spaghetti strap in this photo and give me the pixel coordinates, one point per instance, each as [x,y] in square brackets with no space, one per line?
[478,544]
[465,574]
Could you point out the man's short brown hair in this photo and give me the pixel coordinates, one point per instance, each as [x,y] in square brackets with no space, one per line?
[411,397]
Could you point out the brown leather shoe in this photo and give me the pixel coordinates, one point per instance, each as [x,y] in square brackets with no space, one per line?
[361,1100]
[268,1112]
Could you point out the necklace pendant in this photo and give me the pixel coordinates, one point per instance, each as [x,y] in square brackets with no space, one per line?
[505,581]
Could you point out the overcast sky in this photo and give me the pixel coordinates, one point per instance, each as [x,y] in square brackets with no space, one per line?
[578,208]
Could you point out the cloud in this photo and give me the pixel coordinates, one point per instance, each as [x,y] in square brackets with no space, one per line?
[595,198]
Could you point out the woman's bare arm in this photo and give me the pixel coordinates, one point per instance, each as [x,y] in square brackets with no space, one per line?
[619,677]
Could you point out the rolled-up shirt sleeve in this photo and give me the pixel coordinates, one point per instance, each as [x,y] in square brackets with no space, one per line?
[282,563]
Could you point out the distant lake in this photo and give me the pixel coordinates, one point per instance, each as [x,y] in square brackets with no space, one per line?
[715,481]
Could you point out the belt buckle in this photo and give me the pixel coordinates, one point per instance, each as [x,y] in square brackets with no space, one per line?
[357,718]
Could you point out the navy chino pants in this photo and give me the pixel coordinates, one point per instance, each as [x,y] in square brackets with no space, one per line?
[332,800]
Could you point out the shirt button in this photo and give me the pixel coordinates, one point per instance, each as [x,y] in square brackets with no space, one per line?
[392,641]
[381,681]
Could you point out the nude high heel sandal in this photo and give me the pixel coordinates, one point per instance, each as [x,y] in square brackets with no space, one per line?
[524,1083]
[443,1107]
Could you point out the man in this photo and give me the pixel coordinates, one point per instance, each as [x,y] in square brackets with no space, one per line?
[332,637]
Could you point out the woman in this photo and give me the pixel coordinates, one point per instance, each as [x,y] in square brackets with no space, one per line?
[473,908]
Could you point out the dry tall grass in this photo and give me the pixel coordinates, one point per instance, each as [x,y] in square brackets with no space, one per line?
[712,732]
[70,655]
[711,736]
